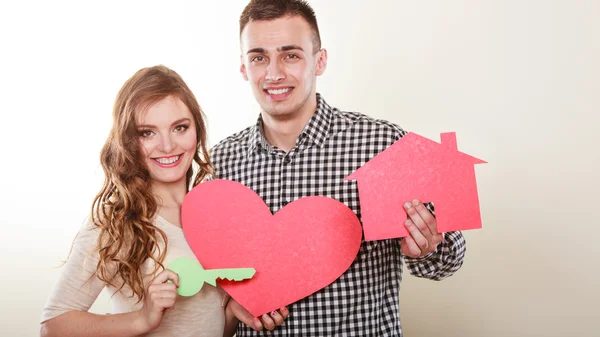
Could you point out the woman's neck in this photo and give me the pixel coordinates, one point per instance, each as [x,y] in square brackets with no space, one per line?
[169,195]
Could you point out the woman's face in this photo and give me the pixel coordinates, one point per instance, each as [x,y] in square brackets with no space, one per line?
[167,138]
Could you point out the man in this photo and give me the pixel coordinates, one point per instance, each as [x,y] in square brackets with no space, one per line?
[302,146]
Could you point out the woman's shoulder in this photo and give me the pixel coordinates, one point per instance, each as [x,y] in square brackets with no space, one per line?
[88,230]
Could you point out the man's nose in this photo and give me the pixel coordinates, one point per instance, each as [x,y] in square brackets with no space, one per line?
[275,72]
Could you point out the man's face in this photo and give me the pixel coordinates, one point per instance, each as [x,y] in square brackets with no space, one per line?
[279,62]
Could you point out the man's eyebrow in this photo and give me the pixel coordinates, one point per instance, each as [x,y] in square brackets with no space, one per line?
[256,50]
[290,47]
[279,49]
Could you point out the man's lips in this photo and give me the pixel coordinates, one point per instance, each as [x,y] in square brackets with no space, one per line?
[278,91]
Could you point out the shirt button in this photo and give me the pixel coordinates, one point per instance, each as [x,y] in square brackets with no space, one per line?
[285,202]
[287,160]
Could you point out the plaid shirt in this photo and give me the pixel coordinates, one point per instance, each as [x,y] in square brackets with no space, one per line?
[364,301]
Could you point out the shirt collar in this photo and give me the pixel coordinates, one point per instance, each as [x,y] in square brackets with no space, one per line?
[316,129]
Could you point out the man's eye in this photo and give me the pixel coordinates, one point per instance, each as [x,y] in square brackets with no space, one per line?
[257,59]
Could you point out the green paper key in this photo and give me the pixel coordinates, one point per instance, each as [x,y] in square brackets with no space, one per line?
[192,276]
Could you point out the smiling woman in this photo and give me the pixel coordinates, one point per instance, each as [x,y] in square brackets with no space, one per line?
[168,138]
[134,229]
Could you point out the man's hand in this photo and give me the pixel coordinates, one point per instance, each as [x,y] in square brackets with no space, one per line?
[421,225]
[267,321]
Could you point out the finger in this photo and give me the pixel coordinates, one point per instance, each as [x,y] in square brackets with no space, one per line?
[256,324]
[410,247]
[166,275]
[276,317]
[284,312]
[163,295]
[244,315]
[436,240]
[164,304]
[426,215]
[267,322]
[415,216]
[162,287]
[415,233]
[404,248]
[159,298]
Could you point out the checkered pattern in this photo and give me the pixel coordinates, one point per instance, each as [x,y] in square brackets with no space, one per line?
[364,301]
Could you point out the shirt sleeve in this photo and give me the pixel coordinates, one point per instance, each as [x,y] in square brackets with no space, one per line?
[77,287]
[444,261]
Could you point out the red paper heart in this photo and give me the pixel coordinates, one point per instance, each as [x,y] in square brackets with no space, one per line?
[301,249]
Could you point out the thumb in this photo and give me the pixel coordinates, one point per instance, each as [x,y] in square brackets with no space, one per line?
[244,315]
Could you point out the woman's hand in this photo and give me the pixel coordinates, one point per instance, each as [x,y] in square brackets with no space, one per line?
[160,296]
[267,321]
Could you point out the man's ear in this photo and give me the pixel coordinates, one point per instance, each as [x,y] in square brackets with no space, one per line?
[243,68]
[321,62]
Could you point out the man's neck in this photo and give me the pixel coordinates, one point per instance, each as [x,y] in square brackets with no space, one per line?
[283,133]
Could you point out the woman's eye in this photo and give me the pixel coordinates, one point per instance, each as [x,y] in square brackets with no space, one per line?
[145,133]
[181,128]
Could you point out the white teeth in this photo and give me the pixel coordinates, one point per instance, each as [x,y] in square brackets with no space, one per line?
[279,91]
[167,161]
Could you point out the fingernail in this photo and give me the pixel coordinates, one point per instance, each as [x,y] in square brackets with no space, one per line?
[408,222]
[415,202]
[265,316]
[407,205]
[256,320]
[283,309]
[273,313]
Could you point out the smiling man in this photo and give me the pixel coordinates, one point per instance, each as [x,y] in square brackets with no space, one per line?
[282,59]
[302,146]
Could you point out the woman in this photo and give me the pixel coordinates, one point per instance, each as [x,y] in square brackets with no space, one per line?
[134,230]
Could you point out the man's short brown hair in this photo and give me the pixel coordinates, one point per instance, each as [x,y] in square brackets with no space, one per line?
[275,9]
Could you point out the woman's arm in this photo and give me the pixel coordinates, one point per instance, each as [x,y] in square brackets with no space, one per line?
[66,311]
[160,296]
[81,323]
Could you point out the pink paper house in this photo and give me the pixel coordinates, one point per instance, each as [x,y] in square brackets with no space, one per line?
[415,167]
